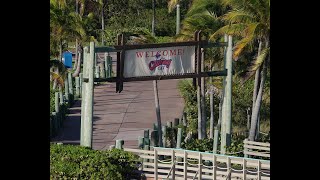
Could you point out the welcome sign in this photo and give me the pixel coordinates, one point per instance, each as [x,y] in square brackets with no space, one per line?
[159,61]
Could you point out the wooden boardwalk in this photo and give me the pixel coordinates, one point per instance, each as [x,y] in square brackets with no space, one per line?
[125,115]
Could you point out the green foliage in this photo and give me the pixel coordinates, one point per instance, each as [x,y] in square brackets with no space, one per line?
[198,145]
[52,99]
[77,162]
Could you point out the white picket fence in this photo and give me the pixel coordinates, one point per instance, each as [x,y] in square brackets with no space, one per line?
[185,164]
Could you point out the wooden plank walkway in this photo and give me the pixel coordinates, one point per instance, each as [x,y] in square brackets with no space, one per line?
[125,115]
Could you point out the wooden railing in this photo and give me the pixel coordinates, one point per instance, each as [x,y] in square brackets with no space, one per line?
[185,164]
[256,148]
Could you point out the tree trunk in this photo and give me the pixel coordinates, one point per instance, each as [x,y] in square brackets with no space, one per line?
[76,55]
[55,82]
[199,112]
[153,17]
[60,50]
[102,25]
[256,109]
[156,100]
[256,79]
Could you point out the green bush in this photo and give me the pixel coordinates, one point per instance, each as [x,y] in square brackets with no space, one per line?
[199,145]
[77,162]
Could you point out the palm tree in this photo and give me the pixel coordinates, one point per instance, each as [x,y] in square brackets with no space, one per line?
[250,21]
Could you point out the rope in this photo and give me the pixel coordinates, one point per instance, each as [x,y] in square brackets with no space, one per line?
[164,162]
[207,166]
[252,172]
[221,168]
[264,173]
[192,164]
[179,162]
[237,170]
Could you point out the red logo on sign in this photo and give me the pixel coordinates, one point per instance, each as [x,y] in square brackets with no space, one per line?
[160,62]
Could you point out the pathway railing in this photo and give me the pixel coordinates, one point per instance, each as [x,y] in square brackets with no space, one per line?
[185,164]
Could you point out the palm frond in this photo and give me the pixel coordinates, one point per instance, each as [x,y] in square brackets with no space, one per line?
[172,4]
[58,77]
[260,59]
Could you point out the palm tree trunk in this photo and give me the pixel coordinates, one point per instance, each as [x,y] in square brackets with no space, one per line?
[153,17]
[256,109]
[60,50]
[256,79]
[76,55]
[156,100]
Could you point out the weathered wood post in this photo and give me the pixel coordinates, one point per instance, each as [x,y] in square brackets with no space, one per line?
[61,96]
[224,104]
[97,70]
[119,144]
[87,107]
[164,135]
[156,100]
[169,124]
[56,107]
[80,80]
[77,79]
[185,119]
[154,138]
[211,113]
[203,98]
[70,83]
[102,70]
[86,56]
[108,65]
[111,147]
[216,139]
[178,19]
[146,137]
[179,136]
[66,89]
[175,122]
[140,142]
[229,92]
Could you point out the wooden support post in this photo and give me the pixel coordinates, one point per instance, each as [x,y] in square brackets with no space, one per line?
[245,149]
[56,102]
[97,71]
[119,144]
[61,101]
[109,65]
[146,147]
[214,167]
[169,124]
[77,79]
[173,162]
[259,170]
[146,141]
[86,55]
[140,142]
[87,108]
[215,139]
[157,104]
[203,97]
[164,135]
[179,136]
[80,80]
[66,89]
[229,170]
[155,163]
[184,119]
[175,122]
[54,123]
[200,167]
[185,165]
[228,92]
[146,133]
[244,172]
[211,113]
[224,104]
[178,19]
[154,138]
[102,70]
[155,126]
[70,83]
